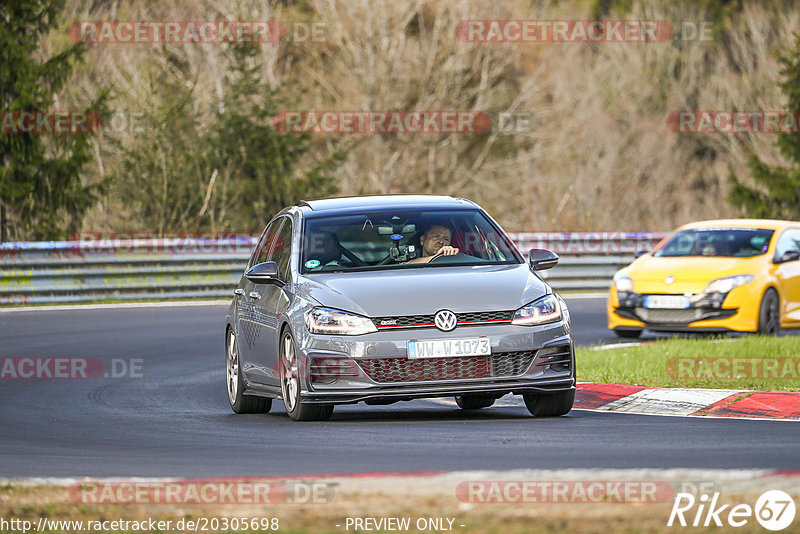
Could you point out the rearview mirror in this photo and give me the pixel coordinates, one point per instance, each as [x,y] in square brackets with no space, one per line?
[263,273]
[407,229]
[540,259]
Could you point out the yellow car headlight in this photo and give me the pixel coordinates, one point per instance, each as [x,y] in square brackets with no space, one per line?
[726,284]
[624,284]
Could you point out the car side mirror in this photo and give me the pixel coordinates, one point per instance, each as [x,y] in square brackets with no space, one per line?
[789,255]
[639,254]
[263,273]
[540,259]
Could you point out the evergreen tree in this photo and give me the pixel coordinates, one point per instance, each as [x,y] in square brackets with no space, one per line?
[229,175]
[41,192]
[162,175]
[260,159]
[777,191]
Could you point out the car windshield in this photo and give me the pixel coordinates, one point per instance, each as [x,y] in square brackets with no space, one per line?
[402,239]
[719,242]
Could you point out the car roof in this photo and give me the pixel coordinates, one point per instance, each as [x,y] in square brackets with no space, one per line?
[331,206]
[767,224]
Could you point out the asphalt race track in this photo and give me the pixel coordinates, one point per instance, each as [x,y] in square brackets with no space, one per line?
[174,421]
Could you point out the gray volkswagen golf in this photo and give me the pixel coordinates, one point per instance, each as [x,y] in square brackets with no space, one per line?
[392,298]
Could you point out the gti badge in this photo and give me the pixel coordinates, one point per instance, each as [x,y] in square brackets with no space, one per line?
[445,320]
[669,279]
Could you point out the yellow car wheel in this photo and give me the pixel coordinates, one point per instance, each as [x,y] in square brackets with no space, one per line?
[769,315]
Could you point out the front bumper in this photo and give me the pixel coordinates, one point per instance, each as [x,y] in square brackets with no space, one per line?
[342,369]
[408,393]
[732,312]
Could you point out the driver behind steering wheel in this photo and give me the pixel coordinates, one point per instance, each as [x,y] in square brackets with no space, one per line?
[435,241]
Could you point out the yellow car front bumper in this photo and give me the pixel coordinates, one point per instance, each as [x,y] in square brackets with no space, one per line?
[738,312]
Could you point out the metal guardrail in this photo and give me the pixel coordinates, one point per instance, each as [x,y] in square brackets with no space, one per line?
[147,269]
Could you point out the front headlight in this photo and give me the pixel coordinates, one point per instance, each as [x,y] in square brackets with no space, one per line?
[725,285]
[336,322]
[623,283]
[545,310]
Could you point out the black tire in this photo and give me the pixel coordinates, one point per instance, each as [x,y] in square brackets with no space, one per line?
[474,402]
[290,386]
[240,403]
[550,404]
[769,314]
[628,334]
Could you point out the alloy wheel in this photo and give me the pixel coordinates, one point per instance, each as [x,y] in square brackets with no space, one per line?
[232,365]
[290,384]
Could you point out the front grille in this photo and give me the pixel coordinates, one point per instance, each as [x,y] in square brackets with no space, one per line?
[485,317]
[669,316]
[511,363]
[385,370]
[394,370]
[407,321]
[422,321]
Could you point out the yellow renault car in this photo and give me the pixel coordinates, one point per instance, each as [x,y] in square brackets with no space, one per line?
[740,275]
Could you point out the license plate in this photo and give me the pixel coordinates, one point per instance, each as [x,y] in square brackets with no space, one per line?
[671,302]
[444,348]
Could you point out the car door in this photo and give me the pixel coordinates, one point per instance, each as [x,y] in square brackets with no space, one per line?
[249,328]
[788,276]
[268,301]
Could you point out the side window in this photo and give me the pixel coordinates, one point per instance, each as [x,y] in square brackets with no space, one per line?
[281,251]
[790,240]
[264,244]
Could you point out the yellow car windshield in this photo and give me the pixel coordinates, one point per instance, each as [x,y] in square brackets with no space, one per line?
[719,242]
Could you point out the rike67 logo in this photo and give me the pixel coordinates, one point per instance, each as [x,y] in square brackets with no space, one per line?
[774,510]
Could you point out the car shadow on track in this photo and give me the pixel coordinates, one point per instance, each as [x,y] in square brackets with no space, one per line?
[361,413]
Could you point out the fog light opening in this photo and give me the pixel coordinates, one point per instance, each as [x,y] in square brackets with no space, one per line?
[329,370]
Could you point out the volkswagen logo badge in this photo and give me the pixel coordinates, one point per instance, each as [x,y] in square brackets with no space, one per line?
[669,279]
[445,320]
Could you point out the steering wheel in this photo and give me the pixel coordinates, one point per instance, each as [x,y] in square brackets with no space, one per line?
[453,258]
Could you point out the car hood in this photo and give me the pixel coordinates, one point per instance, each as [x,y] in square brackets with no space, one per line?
[692,268]
[420,291]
